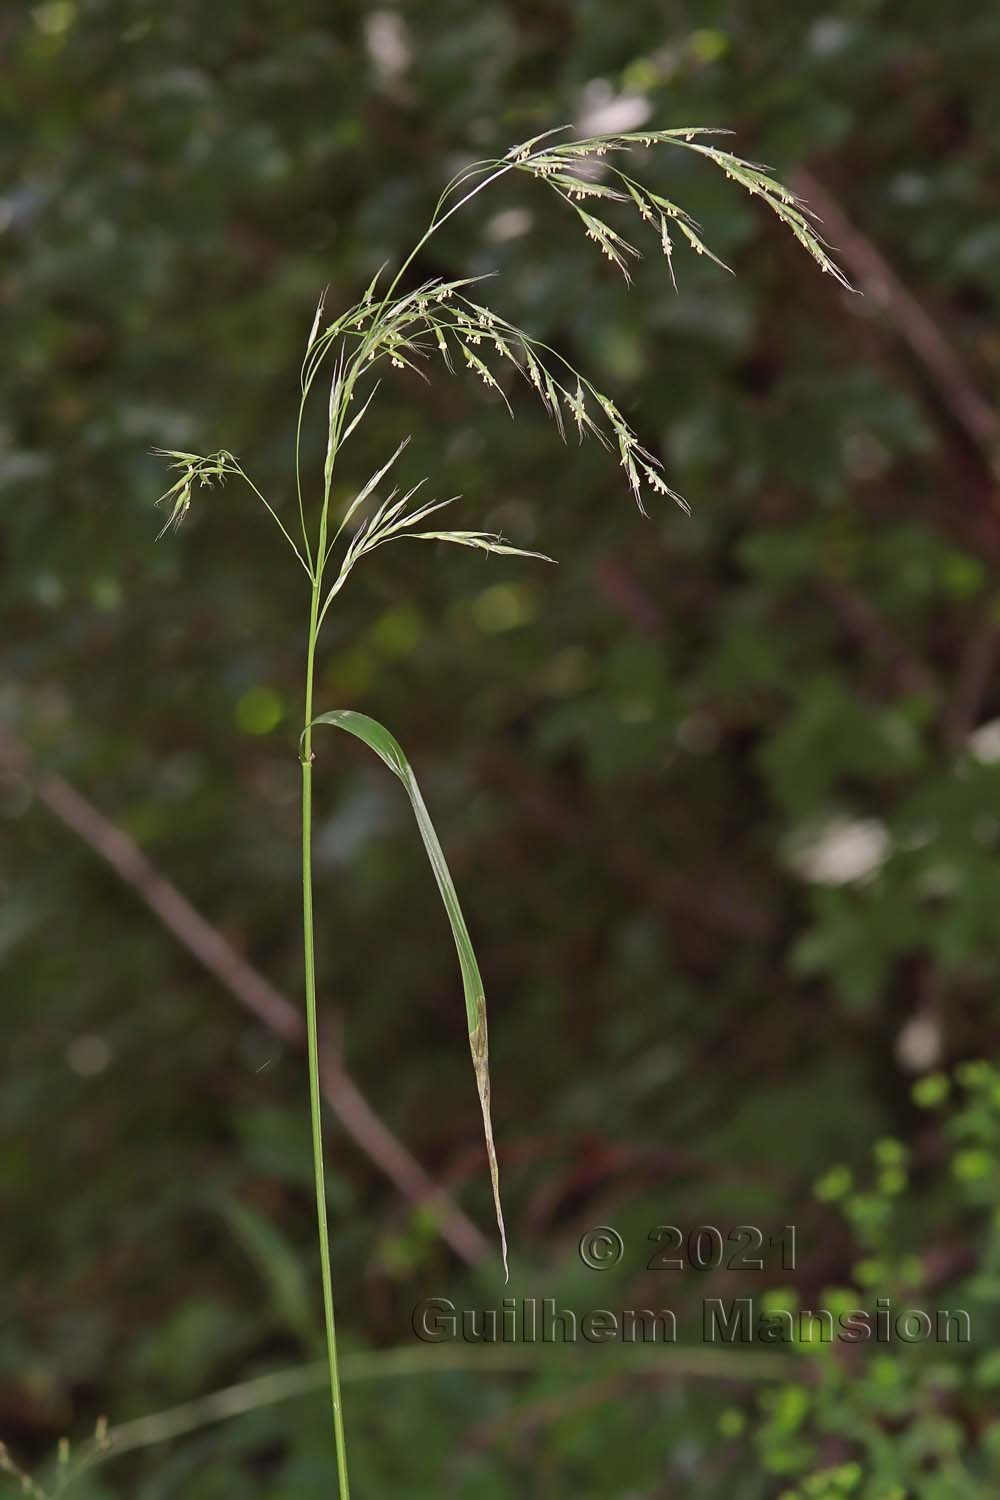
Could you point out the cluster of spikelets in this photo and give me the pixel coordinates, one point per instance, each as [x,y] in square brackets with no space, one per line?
[564,167]
[440,318]
[194,470]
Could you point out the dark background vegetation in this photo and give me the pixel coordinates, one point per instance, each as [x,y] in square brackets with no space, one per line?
[717,792]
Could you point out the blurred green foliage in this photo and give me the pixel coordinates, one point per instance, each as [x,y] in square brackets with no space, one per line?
[720,793]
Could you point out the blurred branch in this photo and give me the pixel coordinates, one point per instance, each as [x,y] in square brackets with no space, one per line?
[660,1362]
[249,987]
[911,320]
[874,633]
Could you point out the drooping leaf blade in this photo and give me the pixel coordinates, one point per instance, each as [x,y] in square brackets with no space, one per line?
[387,747]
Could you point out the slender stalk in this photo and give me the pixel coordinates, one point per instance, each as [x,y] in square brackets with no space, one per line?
[272,512]
[436,223]
[312,1034]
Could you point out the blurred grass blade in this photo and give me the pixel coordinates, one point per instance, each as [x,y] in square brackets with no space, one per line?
[377,738]
[277,1262]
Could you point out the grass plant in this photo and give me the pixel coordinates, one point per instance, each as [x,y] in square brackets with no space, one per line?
[407,323]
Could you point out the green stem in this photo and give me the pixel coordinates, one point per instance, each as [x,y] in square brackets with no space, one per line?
[312,1032]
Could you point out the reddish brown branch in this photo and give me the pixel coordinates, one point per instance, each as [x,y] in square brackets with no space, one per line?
[911,320]
[878,638]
